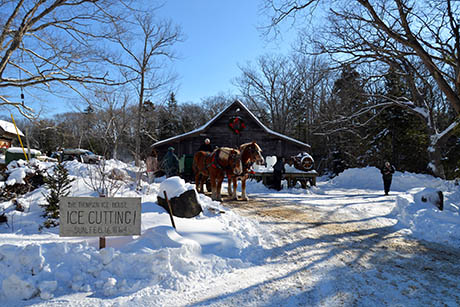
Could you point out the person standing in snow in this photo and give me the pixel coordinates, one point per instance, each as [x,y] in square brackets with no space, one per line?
[171,163]
[152,165]
[278,171]
[387,174]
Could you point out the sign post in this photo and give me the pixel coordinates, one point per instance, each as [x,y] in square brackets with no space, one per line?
[99,217]
[170,210]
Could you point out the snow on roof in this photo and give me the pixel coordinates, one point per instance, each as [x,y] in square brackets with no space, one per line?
[9,127]
[20,150]
[202,128]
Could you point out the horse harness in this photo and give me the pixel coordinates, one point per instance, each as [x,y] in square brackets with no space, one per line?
[215,159]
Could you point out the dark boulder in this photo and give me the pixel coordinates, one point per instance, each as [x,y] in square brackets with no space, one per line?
[436,198]
[184,205]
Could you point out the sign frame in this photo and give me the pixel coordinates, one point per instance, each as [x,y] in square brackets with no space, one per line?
[99,216]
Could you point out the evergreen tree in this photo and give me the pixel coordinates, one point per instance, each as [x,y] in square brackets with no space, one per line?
[344,139]
[399,136]
[148,127]
[59,185]
[169,122]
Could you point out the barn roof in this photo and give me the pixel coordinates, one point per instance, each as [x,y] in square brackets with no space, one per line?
[203,128]
[9,127]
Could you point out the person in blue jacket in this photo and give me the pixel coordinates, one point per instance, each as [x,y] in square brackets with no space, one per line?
[171,163]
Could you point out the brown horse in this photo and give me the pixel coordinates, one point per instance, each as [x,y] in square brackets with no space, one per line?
[215,165]
[250,154]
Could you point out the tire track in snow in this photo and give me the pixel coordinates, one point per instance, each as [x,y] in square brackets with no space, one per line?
[325,257]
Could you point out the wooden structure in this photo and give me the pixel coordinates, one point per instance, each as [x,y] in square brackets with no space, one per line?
[292,178]
[234,126]
[7,134]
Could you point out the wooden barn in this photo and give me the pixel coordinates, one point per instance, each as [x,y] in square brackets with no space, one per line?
[232,127]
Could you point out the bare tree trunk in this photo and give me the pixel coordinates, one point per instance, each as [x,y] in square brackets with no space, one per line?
[115,150]
[139,121]
[435,166]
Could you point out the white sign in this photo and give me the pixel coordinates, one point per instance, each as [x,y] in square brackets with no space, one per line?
[99,216]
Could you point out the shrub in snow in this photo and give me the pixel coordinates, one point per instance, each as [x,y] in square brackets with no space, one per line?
[59,185]
[101,179]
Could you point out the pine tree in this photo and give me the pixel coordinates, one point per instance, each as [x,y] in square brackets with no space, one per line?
[343,147]
[59,185]
[169,123]
[399,136]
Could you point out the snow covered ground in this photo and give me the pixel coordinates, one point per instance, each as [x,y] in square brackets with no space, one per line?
[222,257]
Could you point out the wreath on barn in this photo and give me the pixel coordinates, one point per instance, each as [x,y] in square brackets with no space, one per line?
[236,124]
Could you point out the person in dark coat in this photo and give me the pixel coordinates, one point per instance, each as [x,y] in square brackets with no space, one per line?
[206,146]
[387,174]
[171,163]
[278,171]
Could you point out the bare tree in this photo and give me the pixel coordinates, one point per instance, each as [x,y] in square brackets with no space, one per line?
[114,118]
[401,34]
[213,105]
[45,43]
[143,61]
[283,91]
[269,88]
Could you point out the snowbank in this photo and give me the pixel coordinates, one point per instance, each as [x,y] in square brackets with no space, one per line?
[371,178]
[425,221]
[161,258]
[39,265]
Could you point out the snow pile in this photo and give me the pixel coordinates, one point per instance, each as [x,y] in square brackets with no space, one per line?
[417,213]
[39,265]
[371,178]
[174,186]
[415,208]
[161,258]
[17,170]
[359,178]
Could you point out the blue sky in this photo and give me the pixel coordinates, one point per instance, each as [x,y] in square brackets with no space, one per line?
[219,36]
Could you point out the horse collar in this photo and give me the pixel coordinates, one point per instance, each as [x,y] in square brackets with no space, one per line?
[215,159]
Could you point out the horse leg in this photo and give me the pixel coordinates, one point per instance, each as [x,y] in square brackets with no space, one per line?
[203,179]
[198,183]
[229,186]
[213,187]
[235,185]
[243,189]
[219,187]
